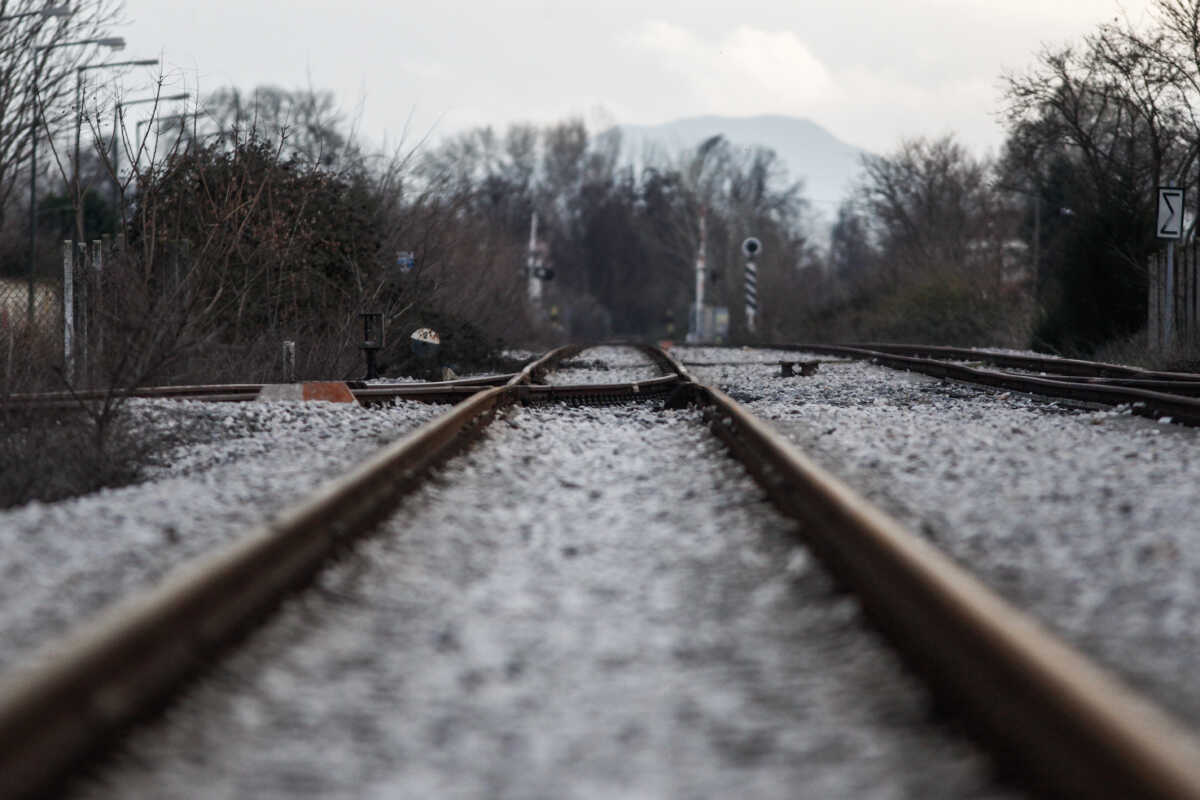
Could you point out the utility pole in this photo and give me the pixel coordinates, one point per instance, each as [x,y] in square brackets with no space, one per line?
[1037,245]
[698,328]
[531,264]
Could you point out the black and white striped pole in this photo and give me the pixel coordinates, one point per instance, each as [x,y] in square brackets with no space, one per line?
[751,248]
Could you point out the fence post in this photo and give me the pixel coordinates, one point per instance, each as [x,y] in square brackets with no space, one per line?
[69,309]
[1194,311]
[1152,293]
[289,361]
[1189,258]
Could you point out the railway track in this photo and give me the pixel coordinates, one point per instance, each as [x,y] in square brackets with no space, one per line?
[1147,393]
[366,394]
[1073,730]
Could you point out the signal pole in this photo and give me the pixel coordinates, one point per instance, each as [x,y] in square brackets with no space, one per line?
[751,249]
[531,265]
[697,328]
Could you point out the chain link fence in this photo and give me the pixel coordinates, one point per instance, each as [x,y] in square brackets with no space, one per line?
[29,343]
[46,308]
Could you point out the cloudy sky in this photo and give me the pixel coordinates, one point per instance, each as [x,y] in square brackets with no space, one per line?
[871,71]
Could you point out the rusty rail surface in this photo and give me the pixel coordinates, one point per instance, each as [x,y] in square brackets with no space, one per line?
[366,394]
[1073,367]
[1063,368]
[1066,726]
[98,680]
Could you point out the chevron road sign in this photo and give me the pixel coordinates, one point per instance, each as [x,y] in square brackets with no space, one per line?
[1170,213]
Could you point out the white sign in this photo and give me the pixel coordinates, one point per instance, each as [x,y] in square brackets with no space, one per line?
[1170,213]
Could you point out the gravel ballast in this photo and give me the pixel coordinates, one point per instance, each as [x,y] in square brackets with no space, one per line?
[1085,518]
[236,464]
[607,364]
[592,602]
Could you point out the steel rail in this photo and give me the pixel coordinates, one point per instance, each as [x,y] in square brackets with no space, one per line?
[1073,728]
[429,393]
[236,392]
[1143,402]
[108,674]
[101,678]
[602,392]
[1072,367]
[1069,728]
[1183,388]
[1065,367]
[367,394]
[535,370]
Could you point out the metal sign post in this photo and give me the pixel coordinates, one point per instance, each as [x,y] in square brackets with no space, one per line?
[751,248]
[69,309]
[1170,227]
[534,283]
[698,332]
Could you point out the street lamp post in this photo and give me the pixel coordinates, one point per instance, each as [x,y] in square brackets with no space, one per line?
[144,62]
[45,13]
[116,140]
[160,120]
[116,43]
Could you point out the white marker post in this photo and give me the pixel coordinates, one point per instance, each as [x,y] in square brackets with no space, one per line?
[751,248]
[698,332]
[531,265]
[1169,227]
[69,309]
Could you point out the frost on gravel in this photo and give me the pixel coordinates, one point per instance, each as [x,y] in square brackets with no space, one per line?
[236,464]
[608,364]
[1086,518]
[590,603]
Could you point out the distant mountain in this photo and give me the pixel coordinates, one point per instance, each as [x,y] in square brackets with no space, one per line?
[825,164]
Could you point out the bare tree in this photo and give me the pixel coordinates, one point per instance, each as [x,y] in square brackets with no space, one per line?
[1094,129]
[308,121]
[37,75]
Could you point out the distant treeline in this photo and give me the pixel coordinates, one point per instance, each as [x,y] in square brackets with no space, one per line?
[292,228]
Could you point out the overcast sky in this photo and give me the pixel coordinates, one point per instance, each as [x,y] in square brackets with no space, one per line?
[871,71]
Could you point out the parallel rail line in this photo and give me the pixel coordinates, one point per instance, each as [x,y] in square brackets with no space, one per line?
[1174,403]
[366,394]
[1074,730]
[1055,366]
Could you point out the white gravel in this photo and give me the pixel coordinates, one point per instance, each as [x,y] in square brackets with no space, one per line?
[608,364]
[62,562]
[1087,519]
[592,603]
[553,625]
